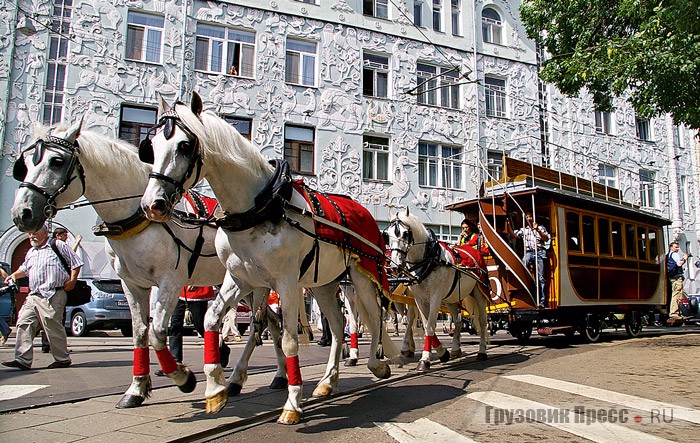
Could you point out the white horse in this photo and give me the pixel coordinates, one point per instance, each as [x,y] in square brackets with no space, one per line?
[66,163]
[267,239]
[438,282]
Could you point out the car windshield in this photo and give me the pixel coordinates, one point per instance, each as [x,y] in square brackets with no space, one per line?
[109,286]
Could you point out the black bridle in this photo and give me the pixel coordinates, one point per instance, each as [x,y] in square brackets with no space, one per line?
[19,170]
[168,121]
[396,224]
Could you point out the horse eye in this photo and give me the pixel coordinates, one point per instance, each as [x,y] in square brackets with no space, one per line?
[56,162]
[184,147]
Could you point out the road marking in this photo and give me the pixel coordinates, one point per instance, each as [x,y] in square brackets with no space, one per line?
[422,430]
[596,431]
[630,401]
[8,392]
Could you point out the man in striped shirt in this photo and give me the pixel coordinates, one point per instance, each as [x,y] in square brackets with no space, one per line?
[48,283]
[535,237]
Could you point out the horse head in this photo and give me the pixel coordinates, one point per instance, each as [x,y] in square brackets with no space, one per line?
[173,149]
[398,237]
[48,171]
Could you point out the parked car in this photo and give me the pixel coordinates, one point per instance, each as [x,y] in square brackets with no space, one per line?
[107,309]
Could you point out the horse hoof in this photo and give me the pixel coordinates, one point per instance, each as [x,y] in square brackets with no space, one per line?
[322,391]
[217,402]
[456,354]
[279,383]
[423,366]
[289,417]
[190,384]
[481,356]
[445,357]
[351,362]
[382,372]
[130,401]
[234,389]
[408,354]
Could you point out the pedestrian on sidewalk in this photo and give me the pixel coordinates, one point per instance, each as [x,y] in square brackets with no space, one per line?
[49,279]
[5,329]
[228,326]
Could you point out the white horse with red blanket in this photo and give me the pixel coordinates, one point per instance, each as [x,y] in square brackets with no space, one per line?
[275,234]
[442,276]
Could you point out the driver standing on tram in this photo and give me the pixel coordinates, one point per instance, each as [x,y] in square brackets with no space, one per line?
[534,236]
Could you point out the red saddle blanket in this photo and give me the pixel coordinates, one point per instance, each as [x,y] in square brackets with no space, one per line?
[204,206]
[344,211]
[469,257]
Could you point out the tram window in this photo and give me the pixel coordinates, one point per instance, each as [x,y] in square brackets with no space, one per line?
[617,238]
[630,241]
[653,245]
[642,243]
[603,236]
[573,231]
[588,234]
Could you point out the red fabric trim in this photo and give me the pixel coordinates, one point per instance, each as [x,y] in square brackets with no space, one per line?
[427,344]
[293,371]
[167,362]
[469,257]
[142,362]
[360,221]
[353,341]
[211,348]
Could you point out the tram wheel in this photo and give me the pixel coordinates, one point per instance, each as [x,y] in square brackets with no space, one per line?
[522,330]
[591,328]
[633,323]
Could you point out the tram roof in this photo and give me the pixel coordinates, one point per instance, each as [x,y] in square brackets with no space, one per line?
[571,198]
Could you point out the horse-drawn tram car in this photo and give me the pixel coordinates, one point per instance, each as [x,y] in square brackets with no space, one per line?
[604,261]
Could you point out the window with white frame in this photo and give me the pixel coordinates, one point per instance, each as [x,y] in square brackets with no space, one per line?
[446,233]
[456,15]
[437,15]
[495,92]
[57,62]
[494,165]
[491,26]
[375,75]
[134,123]
[677,139]
[439,165]
[643,128]
[646,188]
[437,86]
[376,8]
[224,50]
[299,148]
[300,66]
[418,6]
[144,37]
[375,157]
[603,122]
[607,175]
[243,125]
[684,194]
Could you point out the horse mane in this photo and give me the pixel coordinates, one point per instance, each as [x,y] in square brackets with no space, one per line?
[220,142]
[103,151]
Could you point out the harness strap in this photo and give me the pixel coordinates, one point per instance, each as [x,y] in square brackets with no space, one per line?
[123,229]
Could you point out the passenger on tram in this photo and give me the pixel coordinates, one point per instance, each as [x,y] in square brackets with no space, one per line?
[535,237]
[675,260]
[469,235]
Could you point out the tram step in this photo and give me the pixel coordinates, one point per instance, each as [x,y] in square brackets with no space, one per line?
[555,330]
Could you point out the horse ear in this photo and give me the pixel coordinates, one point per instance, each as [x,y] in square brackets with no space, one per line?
[196,104]
[74,132]
[163,106]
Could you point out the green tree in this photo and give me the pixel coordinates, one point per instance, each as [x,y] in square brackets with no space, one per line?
[649,48]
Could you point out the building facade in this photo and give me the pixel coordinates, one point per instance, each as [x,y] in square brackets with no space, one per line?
[397,103]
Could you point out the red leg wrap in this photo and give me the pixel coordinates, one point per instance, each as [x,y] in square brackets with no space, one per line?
[167,362]
[427,344]
[211,348]
[142,362]
[293,371]
[436,342]
[353,341]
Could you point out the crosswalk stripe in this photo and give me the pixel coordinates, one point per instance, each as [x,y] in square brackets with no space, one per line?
[630,401]
[8,392]
[422,430]
[597,431]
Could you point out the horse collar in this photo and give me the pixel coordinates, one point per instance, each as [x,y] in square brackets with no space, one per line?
[268,205]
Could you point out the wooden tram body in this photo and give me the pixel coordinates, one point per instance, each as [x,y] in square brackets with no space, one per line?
[605,266]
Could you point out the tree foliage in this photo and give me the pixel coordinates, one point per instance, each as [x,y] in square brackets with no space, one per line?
[650,48]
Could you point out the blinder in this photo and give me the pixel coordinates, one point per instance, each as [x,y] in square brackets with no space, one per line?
[168,122]
[19,169]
